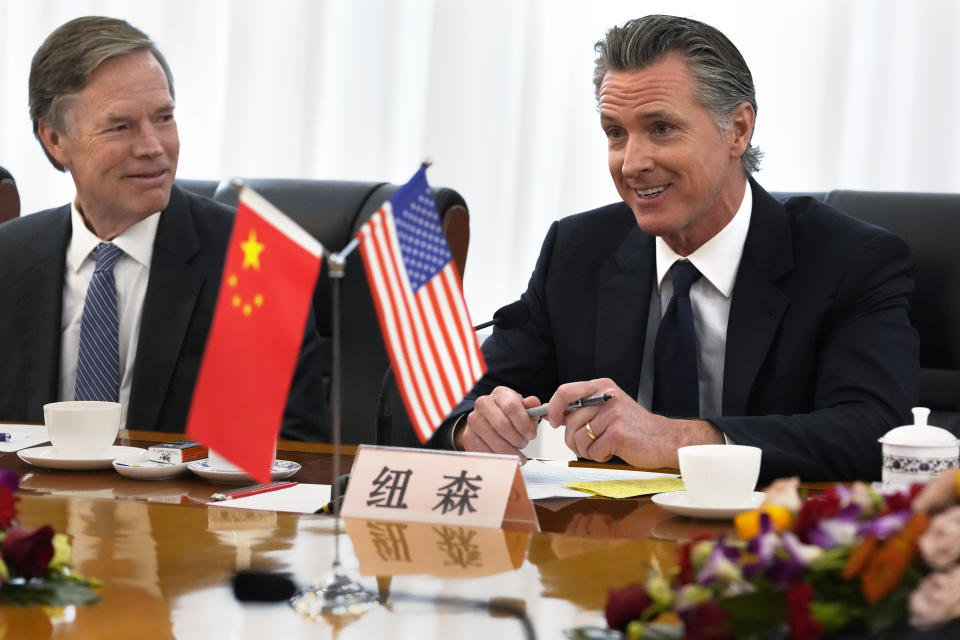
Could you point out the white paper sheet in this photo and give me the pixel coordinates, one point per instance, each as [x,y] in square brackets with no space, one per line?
[545,478]
[300,498]
[23,436]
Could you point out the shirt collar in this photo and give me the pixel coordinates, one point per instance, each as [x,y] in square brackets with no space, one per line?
[719,257]
[136,241]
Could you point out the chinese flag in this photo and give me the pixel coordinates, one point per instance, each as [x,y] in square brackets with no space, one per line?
[266,290]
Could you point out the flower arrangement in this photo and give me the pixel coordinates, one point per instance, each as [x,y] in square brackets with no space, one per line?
[851,558]
[35,563]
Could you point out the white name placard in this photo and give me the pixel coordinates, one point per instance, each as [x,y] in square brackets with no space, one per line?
[441,487]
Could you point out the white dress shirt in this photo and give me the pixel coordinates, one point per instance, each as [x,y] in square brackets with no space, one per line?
[131,273]
[718,260]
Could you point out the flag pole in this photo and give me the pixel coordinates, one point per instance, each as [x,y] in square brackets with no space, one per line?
[337,267]
[347,250]
[335,593]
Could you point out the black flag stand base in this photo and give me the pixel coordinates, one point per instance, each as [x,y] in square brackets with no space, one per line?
[336,593]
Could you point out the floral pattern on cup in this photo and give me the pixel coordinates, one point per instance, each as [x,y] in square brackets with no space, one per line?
[912,464]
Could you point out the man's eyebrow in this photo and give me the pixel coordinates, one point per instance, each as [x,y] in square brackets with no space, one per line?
[656,114]
[111,118]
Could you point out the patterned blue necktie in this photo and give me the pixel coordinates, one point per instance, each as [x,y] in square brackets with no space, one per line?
[98,360]
[676,385]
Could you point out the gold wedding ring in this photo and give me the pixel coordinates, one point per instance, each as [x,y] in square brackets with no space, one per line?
[590,431]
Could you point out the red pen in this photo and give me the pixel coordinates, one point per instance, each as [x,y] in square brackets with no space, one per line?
[251,491]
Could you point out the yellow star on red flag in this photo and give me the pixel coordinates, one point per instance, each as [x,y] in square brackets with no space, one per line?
[251,251]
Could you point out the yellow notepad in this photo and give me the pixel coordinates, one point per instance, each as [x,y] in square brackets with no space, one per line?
[628,488]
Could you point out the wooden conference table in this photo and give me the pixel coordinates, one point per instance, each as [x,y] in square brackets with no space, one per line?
[166,560]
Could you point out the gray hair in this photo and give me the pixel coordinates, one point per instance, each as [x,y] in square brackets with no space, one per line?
[723,78]
[63,64]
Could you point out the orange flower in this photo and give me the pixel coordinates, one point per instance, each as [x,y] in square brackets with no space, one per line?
[888,564]
[859,557]
[916,525]
[748,522]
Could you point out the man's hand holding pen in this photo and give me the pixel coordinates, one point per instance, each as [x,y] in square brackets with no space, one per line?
[621,427]
[504,422]
[601,422]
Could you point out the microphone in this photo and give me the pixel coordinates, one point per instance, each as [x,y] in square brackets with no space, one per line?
[511,316]
[253,585]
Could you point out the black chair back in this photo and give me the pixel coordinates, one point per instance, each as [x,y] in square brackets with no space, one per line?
[9,197]
[930,224]
[333,211]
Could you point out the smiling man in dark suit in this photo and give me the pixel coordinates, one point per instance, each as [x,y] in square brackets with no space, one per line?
[111,297]
[789,331]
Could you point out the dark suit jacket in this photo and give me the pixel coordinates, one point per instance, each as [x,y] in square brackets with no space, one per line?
[188,256]
[821,359]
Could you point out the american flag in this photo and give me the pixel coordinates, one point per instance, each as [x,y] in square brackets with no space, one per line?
[417,292]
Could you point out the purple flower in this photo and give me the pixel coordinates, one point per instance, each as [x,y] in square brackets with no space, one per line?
[837,531]
[766,542]
[785,571]
[844,494]
[885,526]
[764,545]
[720,565]
[802,553]
[10,479]
[779,568]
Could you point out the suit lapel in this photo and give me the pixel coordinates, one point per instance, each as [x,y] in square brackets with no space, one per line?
[623,304]
[39,309]
[758,304]
[167,310]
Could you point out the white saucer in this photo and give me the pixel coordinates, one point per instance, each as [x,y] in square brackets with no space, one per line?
[141,467]
[679,502]
[47,457]
[281,469]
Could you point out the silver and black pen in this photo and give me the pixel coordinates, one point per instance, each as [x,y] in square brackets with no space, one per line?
[539,412]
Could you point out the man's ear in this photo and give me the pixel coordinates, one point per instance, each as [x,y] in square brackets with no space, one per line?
[53,141]
[741,128]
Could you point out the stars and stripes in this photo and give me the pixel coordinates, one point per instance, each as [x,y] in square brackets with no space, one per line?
[417,293]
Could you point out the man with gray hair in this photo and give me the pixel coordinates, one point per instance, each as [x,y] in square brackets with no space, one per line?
[700,310]
[111,297]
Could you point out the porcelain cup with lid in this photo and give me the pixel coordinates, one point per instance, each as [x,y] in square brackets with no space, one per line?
[917,452]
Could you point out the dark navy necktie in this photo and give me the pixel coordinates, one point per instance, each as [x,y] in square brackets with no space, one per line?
[98,359]
[676,388]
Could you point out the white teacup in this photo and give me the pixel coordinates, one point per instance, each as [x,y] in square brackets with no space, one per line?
[81,429]
[719,475]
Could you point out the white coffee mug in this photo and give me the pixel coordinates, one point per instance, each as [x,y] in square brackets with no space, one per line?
[81,429]
[719,475]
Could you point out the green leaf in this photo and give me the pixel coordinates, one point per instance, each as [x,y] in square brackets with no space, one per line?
[54,591]
[834,615]
[829,561]
[592,633]
[754,614]
[893,608]
[659,631]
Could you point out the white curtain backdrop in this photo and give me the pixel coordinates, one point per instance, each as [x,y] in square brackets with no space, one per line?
[856,94]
